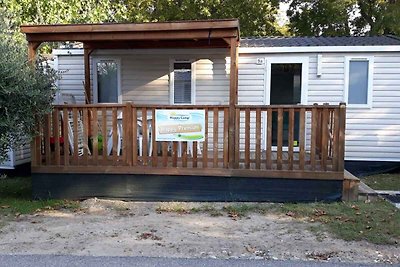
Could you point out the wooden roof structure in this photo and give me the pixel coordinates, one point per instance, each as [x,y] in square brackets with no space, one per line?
[208,33]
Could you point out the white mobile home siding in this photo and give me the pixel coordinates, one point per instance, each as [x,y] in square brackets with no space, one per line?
[18,155]
[372,134]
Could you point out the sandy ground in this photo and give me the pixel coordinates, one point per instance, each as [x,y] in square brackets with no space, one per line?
[116,228]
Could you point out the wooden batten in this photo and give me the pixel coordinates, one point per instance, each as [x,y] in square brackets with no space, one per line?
[233,99]
[32,51]
[86,61]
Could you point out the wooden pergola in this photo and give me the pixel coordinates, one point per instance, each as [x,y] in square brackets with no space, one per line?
[222,33]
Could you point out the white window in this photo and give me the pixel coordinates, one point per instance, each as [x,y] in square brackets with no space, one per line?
[358,79]
[106,80]
[182,82]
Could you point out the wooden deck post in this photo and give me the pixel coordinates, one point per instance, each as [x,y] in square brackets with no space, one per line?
[342,129]
[32,51]
[86,61]
[233,93]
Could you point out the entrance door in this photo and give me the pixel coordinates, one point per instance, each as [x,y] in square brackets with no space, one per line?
[285,85]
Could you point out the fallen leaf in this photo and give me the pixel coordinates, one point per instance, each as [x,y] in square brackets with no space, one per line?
[151,236]
[250,249]
[318,212]
[291,214]
[233,215]
[5,207]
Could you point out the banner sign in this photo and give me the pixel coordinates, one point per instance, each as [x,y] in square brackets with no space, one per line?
[180,125]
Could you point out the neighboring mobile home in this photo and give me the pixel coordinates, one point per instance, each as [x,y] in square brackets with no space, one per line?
[264,137]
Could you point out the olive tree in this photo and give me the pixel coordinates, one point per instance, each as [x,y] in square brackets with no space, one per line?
[26,91]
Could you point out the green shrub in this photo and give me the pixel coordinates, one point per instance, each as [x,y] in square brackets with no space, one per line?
[26,91]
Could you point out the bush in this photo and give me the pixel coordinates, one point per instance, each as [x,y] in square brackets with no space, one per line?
[26,92]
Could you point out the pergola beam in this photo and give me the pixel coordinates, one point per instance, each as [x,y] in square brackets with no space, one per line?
[128,36]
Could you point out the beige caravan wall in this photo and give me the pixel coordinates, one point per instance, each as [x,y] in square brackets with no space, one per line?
[145,74]
[372,133]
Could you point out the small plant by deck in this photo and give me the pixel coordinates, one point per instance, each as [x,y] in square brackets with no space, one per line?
[385,181]
[16,198]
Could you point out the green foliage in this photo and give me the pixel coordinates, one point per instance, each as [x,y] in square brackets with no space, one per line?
[320,17]
[385,181]
[26,92]
[344,17]
[380,16]
[257,17]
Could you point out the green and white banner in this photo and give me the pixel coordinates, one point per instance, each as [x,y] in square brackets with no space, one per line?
[180,125]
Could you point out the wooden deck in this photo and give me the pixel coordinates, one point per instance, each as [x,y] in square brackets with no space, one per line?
[318,153]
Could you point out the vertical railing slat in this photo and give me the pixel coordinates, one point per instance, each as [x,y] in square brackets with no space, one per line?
[114,136]
[75,131]
[124,131]
[268,156]
[335,145]
[85,136]
[128,141]
[105,135]
[145,135]
[291,139]
[47,135]
[258,138]
[184,154]
[324,137]
[226,137]
[66,136]
[280,139]
[174,154]
[56,135]
[215,138]
[302,138]
[134,136]
[153,138]
[95,137]
[314,130]
[205,143]
[194,163]
[237,139]
[247,139]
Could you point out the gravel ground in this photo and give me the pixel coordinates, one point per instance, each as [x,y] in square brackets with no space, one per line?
[116,228]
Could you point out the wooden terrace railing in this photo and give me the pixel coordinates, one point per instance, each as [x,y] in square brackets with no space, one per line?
[269,141]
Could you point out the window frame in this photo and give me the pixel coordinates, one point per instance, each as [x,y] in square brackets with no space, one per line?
[370,60]
[172,81]
[95,82]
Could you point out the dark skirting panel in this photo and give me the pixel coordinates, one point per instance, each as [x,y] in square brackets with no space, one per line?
[365,168]
[183,188]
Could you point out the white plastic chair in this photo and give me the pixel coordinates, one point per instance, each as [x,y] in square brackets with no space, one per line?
[140,136]
[119,139]
[63,99]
